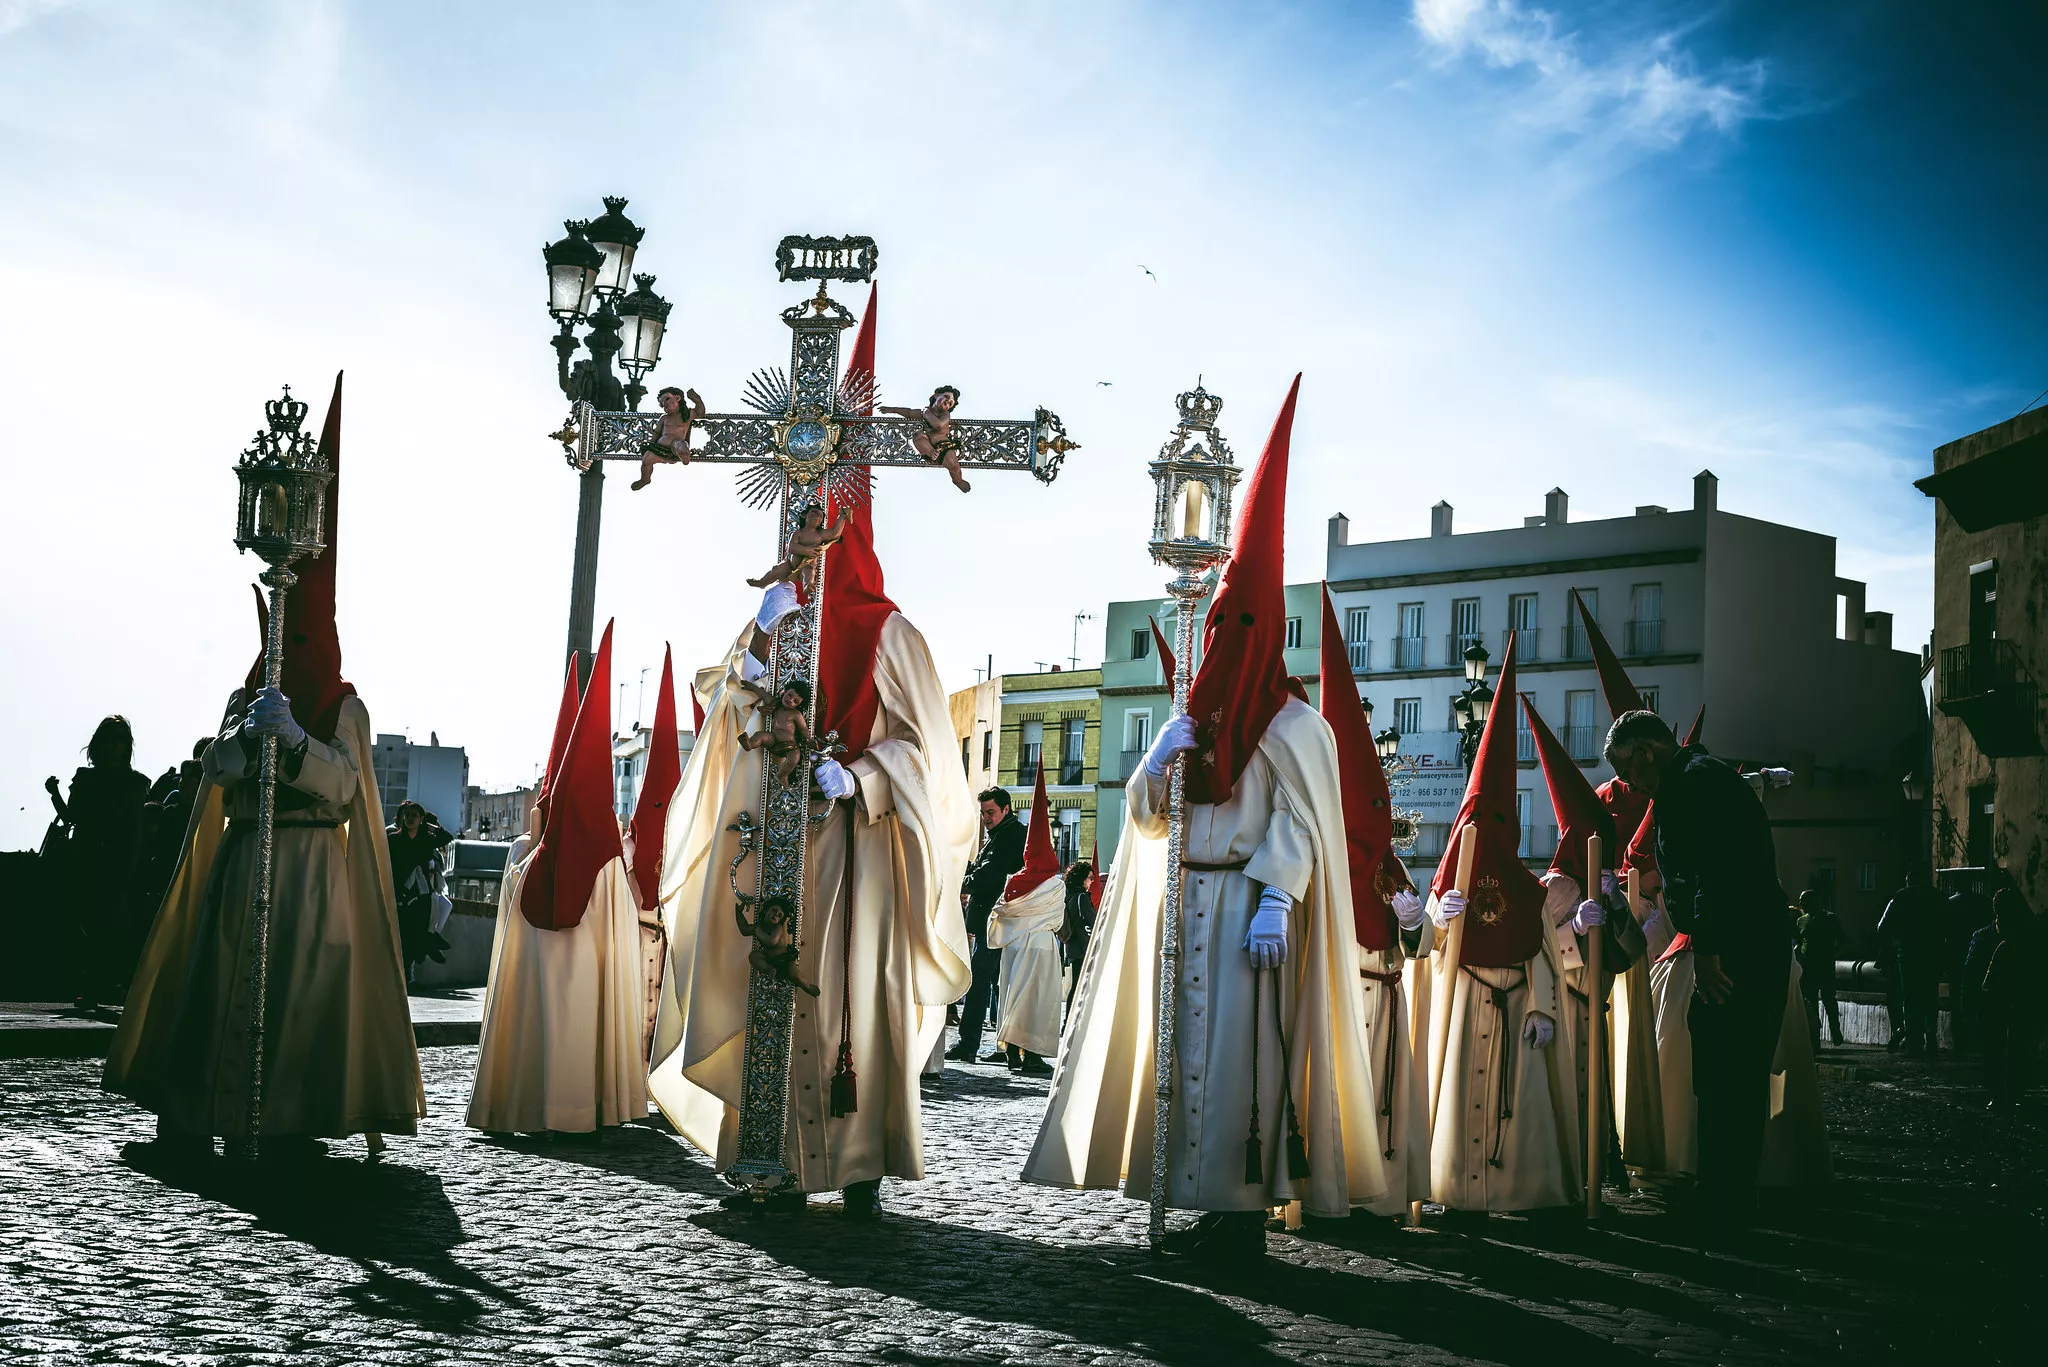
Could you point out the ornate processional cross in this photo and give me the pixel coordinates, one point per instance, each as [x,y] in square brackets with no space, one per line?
[806,441]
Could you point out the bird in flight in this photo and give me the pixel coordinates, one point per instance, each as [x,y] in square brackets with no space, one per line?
[1148,271]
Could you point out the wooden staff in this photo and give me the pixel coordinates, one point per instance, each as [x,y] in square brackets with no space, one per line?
[1596,1044]
[1454,941]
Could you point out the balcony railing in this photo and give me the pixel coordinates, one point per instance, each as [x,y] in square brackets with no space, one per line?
[1573,645]
[1987,688]
[1408,652]
[1643,638]
[1027,764]
[1583,743]
[1360,653]
[1528,644]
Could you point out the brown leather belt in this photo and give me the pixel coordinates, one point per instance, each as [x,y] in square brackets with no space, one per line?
[1234,866]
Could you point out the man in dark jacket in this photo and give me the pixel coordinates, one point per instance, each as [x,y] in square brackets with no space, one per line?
[1721,887]
[1002,854]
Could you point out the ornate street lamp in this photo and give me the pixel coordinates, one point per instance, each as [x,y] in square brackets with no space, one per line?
[587,275]
[282,516]
[1192,480]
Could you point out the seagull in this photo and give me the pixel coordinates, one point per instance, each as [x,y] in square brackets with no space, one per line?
[1148,270]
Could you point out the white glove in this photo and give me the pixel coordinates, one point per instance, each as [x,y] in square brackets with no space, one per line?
[1175,738]
[1448,908]
[1407,910]
[776,604]
[1266,940]
[1589,917]
[833,780]
[270,714]
[1539,1030]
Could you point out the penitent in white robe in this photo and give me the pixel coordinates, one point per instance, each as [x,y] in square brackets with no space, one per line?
[1479,1159]
[338,1045]
[1634,1101]
[562,1046]
[911,824]
[1284,827]
[1033,981]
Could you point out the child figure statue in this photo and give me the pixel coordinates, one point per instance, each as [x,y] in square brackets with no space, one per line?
[935,440]
[810,537]
[671,446]
[784,732]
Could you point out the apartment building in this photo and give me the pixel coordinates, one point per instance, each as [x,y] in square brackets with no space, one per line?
[1706,608]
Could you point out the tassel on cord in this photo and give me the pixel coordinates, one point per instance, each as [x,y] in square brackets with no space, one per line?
[1254,1151]
[845,1082]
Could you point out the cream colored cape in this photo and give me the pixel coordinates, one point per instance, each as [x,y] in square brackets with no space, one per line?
[1033,982]
[912,833]
[562,1045]
[1539,1146]
[339,1057]
[1098,1128]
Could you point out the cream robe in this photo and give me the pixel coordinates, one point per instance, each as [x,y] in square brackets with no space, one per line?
[1402,1103]
[1635,1104]
[912,826]
[1033,981]
[338,1050]
[1539,1147]
[1285,818]
[562,1046]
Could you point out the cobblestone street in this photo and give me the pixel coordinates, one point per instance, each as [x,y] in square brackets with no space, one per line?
[459,1249]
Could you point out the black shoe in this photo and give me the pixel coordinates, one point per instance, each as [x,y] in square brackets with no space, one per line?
[1222,1236]
[863,1199]
[775,1203]
[1034,1066]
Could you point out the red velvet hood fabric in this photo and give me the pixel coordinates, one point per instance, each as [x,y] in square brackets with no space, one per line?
[581,834]
[1504,911]
[312,647]
[1580,812]
[1368,803]
[657,786]
[1040,863]
[856,603]
[1614,682]
[1243,681]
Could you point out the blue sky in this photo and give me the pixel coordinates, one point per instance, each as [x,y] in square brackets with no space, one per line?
[1510,246]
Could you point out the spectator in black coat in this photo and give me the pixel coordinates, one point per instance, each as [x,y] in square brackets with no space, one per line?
[1002,854]
[1721,887]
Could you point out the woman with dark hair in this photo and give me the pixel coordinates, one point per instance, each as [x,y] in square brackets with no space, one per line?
[104,817]
[1080,922]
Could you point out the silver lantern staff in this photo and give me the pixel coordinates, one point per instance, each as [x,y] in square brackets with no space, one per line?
[282,517]
[1191,536]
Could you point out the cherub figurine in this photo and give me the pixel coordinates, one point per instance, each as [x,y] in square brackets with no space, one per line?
[671,446]
[937,442]
[810,537]
[784,732]
[775,949]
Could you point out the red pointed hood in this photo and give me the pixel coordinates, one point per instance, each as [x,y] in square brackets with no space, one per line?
[1096,877]
[1642,846]
[1242,682]
[657,786]
[1699,725]
[1167,663]
[1580,813]
[1040,863]
[581,833]
[312,647]
[1368,803]
[1504,911]
[857,604]
[1614,682]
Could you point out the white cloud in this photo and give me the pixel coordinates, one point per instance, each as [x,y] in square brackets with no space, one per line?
[1646,92]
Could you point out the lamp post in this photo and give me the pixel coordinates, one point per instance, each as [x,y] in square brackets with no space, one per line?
[1473,705]
[588,271]
[282,516]
[1192,481]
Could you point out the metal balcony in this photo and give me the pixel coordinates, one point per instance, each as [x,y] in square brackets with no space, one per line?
[1643,638]
[1986,688]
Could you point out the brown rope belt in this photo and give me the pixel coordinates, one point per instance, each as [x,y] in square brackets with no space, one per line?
[1504,1101]
[1388,980]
